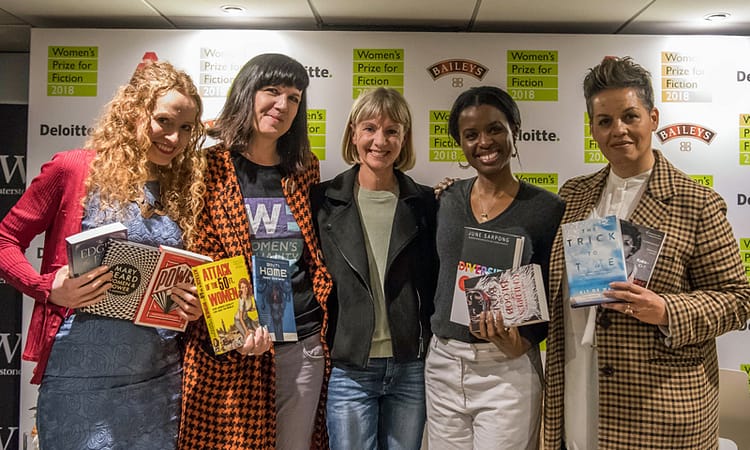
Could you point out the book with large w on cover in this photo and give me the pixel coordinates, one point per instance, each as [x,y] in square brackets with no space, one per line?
[272,283]
[516,294]
[87,248]
[218,284]
[593,259]
[132,265]
[157,309]
[483,252]
[641,245]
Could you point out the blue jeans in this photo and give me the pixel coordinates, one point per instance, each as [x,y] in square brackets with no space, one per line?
[380,407]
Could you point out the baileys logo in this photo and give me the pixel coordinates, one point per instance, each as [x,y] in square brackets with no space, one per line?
[688,130]
[457,66]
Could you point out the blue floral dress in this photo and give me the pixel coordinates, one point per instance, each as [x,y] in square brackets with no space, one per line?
[110,384]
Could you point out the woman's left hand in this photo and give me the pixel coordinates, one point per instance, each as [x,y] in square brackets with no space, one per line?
[506,339]
[638,302]
[186,297]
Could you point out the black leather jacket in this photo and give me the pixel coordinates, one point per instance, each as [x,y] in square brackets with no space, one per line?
[410,276]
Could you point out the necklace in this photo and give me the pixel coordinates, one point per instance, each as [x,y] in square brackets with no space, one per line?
[484,215]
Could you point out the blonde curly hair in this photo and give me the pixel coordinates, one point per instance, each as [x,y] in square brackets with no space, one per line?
[121,139]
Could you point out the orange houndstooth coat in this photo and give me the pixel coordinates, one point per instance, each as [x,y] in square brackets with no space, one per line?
[228,402]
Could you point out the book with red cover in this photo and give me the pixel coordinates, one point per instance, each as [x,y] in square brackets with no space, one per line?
[157,309]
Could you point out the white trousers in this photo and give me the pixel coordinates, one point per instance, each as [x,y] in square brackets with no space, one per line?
[478,398]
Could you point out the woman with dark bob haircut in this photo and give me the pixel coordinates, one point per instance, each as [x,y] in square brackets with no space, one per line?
[257,203]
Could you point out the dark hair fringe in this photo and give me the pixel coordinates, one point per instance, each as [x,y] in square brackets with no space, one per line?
[234,125]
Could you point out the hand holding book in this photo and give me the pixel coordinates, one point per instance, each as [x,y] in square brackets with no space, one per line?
[638,302]
[84,290]
[186,302]
[509,340]
[257,342]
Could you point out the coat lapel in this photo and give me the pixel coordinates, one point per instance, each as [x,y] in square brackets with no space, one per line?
[653,208]
[345,216]
[234,221]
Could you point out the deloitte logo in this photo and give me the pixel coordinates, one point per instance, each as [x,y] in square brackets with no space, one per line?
[535,135]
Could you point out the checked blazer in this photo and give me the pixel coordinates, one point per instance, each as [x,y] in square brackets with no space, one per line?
[657,392]
[228,401]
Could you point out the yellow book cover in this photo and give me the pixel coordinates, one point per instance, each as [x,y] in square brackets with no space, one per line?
[225,295]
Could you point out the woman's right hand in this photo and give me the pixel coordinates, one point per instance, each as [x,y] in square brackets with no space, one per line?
[81,291]
[509,340]
[256,342]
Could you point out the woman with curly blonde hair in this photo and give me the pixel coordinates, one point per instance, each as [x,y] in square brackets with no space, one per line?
[107,383]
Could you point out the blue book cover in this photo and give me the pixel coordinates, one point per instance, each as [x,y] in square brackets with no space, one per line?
[593,259]
[272,286]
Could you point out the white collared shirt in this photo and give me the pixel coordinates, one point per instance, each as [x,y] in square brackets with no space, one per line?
[581,395]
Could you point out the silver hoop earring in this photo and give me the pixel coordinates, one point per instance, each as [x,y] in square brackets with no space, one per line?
[463,165]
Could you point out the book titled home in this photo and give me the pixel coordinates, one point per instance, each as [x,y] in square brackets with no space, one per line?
[86,249]
[641,245]
[157,309]
[132,265]
[272,284]
[517,295]
[483,252]
[218,285]
[593,259]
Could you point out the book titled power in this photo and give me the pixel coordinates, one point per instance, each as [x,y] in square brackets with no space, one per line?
[157,309]
[218,284]
[483,252]
[593,259]
[272,284]
[517,294]
[87,248]
[131,264]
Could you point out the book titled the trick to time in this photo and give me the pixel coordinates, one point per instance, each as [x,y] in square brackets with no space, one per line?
[593,259]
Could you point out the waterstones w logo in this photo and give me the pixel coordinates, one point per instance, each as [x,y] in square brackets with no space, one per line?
[688,130]
[10,169]
[6,440]
[457,66]
[10,349]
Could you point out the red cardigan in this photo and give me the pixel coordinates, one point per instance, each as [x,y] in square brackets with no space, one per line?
[52,204]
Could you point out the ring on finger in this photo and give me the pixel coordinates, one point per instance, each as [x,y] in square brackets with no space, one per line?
[629,310]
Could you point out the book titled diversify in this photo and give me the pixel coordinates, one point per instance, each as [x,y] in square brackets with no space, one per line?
[483,252]
[516,294]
